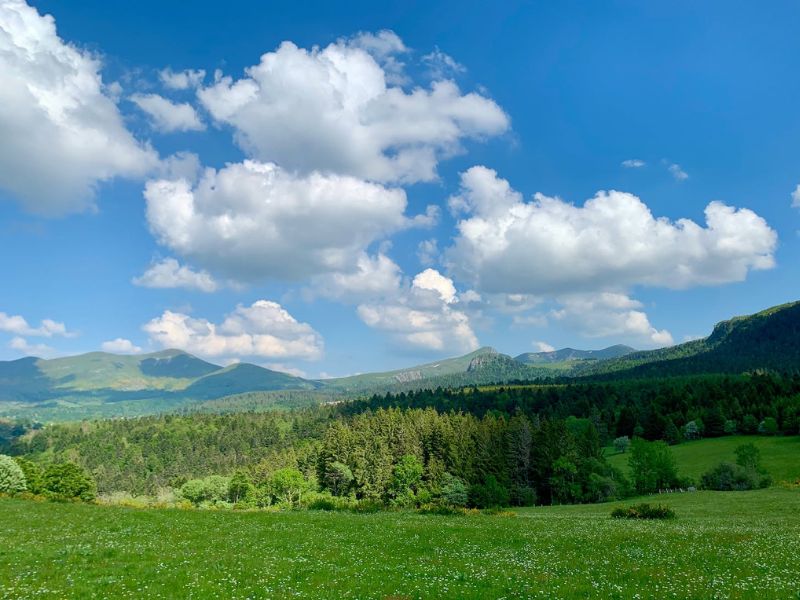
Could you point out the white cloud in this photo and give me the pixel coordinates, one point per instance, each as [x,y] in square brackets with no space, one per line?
[61,131]
[335,110]
[796,197]
[612,242]
[41,350]
[167,116]
[441,65]
[633,163]
[17,325]
[543,347]
[677,172]
[120,346]
[375,277]
[431,279]
[181,80]
[610,315]
[423,315]
[252,221]
[169,273]
[264,329]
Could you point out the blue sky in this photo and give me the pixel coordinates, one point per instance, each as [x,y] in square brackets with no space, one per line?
[363,197]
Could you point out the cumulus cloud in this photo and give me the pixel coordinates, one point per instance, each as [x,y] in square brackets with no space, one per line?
[796,197]
[543,347]
[169,273]
[677,172]
[633,163]
[264,330]
[252,220]
[21,345]
[375,277]
[610,315]
[181,80]
[423,315]
[120,346]
[61,131]
[167,116]
[336,110]
[18,325]
[431,279]
[611,243]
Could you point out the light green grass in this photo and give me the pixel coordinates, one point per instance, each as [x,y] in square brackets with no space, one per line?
[726,545]
[779,455]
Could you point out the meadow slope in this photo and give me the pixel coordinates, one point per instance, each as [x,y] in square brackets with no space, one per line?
[721,545]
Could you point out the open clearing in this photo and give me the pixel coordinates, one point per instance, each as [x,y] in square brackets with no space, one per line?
[722,544]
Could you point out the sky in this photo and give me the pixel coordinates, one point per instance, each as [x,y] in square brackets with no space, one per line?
[334,188]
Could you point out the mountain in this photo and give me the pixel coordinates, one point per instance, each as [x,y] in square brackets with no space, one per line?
[243,377]
[767,340]
[566,355]
[97,377]
[485,365]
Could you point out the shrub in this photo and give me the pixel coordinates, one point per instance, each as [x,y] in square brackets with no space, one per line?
[768,426]
[12,478]
[68,481]
[730,477]
[212,489]
[643,511]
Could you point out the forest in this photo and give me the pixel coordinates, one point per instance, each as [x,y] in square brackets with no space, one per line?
[490,446]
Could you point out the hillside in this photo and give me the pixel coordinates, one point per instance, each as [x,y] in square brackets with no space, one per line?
[767,340]
[485,365]
[570,355]
[101,384]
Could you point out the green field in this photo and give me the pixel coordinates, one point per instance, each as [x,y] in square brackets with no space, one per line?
[780,456]
[722,544]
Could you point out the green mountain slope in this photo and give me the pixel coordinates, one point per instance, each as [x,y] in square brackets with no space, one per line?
[768,340]
[243,377]
[484,365]
[567,355]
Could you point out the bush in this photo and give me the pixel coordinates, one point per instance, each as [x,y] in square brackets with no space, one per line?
[643,511]
[210,490]
[12,478]
[68,481]
[730,477]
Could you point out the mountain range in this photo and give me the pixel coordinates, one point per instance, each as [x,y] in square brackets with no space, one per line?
[103,384]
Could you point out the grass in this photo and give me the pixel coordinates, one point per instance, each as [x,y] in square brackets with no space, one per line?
[779,455]
[726,545]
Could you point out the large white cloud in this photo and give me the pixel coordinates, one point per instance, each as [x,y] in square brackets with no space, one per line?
[255,220]
[335,110]
[168,116]
[375,277]
[263,330]
[169,273]
[422,315]
[61,132]
[611,243]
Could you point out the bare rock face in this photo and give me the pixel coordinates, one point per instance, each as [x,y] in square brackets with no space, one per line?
[484,360]
[407,376]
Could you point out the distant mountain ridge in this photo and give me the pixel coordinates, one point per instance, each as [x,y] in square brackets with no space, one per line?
[571,354]
[103,384]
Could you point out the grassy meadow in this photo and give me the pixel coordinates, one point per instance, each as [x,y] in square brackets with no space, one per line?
[780,455]
[721,545]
